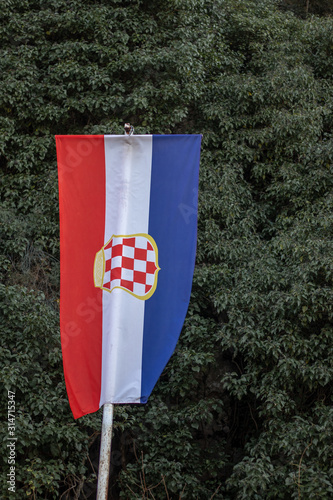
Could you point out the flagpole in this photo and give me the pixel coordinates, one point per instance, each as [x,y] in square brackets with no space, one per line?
[106,436]
[105,453]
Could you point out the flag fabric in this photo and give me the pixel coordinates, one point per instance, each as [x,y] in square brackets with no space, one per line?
[128,226]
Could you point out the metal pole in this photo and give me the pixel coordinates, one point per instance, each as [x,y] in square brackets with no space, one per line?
[105,453]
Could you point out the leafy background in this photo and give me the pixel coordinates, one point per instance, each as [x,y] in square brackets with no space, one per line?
[244,408]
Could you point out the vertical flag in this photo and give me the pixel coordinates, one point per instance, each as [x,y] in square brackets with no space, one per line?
[128,226]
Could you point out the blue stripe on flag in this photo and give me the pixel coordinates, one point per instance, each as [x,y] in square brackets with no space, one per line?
[173,225]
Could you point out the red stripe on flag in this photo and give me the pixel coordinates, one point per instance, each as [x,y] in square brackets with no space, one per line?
[81,170]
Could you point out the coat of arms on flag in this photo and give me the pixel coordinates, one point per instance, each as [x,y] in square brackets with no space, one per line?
[128,262]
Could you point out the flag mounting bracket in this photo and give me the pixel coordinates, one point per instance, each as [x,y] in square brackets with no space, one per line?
[129,129]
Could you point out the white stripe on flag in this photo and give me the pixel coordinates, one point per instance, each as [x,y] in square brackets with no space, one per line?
[128,174]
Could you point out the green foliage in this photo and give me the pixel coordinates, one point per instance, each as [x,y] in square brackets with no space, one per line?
[303,8]
[243,409]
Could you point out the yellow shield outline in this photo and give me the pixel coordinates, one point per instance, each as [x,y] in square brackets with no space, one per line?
[99,266]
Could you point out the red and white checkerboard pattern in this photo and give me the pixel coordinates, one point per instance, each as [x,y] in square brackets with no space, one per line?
[130,263]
